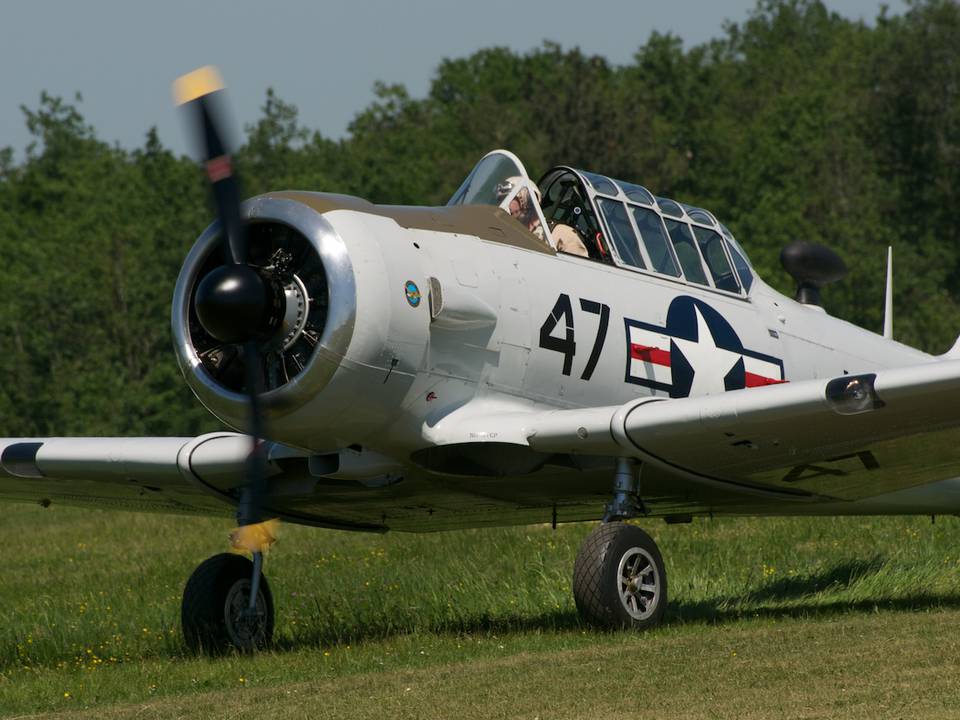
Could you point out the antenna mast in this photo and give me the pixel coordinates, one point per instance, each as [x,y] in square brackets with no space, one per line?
[888,302]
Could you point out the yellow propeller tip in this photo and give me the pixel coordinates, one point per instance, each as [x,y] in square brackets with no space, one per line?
[198,83]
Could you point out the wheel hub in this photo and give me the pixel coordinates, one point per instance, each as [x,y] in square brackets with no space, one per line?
[639,583]
[246,627]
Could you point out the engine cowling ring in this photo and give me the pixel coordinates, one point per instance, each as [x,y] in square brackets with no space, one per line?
[224,399]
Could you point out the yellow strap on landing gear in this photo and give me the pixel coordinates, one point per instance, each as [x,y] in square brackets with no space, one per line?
[255,538]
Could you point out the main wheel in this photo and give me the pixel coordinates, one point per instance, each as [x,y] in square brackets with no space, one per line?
[619,579]
[214,613]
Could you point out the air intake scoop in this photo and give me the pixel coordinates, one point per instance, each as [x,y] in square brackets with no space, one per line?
[812,266]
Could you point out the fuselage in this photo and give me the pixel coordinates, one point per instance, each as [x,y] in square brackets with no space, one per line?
[454,314]
[538,329]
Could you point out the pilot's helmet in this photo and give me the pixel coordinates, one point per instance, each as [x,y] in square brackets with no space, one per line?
[507,186]
[536,191]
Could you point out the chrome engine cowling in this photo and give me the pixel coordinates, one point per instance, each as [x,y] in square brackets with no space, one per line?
[296,248]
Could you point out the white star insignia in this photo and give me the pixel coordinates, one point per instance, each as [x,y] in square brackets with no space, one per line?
[710,363]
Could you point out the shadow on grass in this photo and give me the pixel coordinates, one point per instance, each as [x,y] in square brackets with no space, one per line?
[482,625]
[837,577]
[801,596]
[802,592]
[680,613]
[787,597]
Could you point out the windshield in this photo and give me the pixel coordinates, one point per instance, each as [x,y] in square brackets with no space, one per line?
[500,179]
[483,185]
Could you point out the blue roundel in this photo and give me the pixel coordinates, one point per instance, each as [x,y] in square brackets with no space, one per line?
[412,292]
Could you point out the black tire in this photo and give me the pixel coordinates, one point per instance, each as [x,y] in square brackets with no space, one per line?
[604,598]
[213,599]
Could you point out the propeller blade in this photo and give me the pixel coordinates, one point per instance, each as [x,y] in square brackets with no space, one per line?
[233,301]
[249,512]
[201,91]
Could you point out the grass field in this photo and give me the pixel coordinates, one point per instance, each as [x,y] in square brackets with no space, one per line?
[829,617]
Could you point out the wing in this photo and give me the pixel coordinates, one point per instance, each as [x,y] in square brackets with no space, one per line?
[845,438]
[817,442]
[143,474]
[192,476]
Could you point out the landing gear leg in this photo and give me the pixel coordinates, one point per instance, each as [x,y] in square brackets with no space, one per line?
[626,502]
[257,573]
[619,579]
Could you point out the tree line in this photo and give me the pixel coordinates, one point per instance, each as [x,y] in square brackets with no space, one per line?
[795,124]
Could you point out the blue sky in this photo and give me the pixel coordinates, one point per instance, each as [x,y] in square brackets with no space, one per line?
[324,57]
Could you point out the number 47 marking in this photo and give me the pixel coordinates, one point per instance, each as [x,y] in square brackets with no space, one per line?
[562,310]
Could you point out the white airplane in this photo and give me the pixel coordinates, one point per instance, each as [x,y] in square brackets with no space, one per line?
[433,368]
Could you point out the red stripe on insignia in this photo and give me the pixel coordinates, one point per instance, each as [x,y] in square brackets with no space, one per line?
[753,380]
[219,168]
[650,354]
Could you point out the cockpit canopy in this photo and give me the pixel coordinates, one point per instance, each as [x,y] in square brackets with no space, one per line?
[611,221]
[500,179]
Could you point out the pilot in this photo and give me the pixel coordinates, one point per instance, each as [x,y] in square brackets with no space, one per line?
[568,240]
[520,206]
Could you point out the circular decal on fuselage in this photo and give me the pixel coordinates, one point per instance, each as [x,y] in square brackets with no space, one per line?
[412,292]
